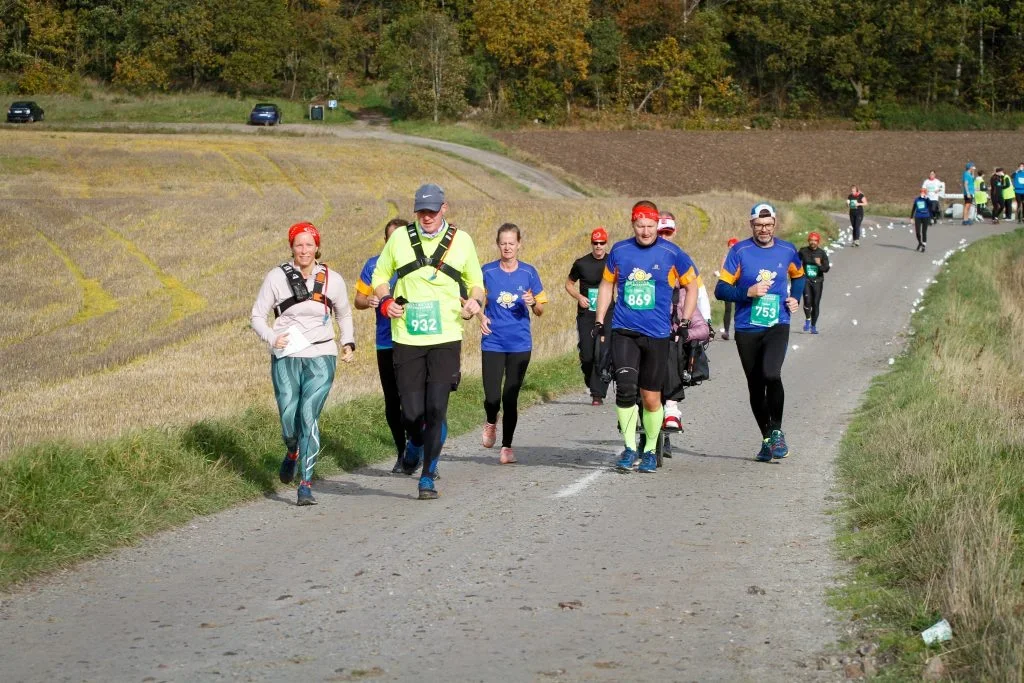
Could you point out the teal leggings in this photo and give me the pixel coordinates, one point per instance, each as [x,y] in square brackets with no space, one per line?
[301,386]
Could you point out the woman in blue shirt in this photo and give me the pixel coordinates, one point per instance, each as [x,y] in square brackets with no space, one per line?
[513,289]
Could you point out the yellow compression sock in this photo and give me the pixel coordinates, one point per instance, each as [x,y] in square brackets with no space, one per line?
[652,427]
[627,423]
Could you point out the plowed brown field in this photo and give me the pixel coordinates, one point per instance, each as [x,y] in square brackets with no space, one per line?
[887,165]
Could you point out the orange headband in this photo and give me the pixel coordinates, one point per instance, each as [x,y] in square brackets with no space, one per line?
[645,212]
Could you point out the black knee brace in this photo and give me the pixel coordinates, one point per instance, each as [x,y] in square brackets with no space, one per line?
[626,387]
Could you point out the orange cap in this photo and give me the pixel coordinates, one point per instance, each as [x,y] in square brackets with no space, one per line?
[732,241]
[599,235]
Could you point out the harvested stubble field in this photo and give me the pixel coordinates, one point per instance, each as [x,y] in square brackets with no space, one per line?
[149,249]
[887,165]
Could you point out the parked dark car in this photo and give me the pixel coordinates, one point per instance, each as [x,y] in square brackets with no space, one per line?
[265,115]
[24,112]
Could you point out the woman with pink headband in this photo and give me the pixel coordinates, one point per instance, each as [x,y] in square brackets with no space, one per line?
[303,293]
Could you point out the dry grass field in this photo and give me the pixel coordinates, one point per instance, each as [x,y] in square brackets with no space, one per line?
[146,251]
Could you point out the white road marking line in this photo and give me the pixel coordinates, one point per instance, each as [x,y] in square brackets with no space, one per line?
[577,486]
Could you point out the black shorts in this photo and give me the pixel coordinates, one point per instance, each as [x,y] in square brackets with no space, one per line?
[647,355]
[418,366]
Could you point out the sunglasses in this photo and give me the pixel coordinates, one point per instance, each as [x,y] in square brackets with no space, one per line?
[598,244]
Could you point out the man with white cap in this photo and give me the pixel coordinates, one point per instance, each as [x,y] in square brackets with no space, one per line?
[764,277]
[432,297]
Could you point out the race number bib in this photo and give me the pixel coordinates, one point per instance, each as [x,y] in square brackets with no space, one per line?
[853,203]
[592,295]
[765,311]
[423,317]
[811,270]
[639,295]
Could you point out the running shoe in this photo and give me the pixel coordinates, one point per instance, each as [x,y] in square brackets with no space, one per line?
[725,336]
[398,464]
[626,460]
[305,495]
[412,459]
[924,247]
[807,325]
[777,445]
[507,457]
[814,329]
[597,401]
[489,435]
[672,424]
[288,465]
[648,463]
[435,471]
[765,454]
[427,490]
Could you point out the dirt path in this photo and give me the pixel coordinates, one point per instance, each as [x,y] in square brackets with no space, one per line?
[715,568]
[540,183]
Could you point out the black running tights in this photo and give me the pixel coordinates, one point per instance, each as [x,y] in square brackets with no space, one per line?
[512,366]
[392,402]
[761,355]
[812,299]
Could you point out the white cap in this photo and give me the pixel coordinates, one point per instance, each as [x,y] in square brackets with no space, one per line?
[760,208]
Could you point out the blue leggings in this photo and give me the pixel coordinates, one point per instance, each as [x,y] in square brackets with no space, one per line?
[301,386]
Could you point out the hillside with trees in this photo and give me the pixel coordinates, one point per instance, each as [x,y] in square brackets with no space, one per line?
[537,59]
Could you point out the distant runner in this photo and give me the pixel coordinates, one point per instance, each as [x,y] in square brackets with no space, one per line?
[513,290]
[643,270]
[936,188]
[303,293]
[432,297]
[921,213]
[1018,189]
[857,202]
[815,262]
[764,277]
[582,285]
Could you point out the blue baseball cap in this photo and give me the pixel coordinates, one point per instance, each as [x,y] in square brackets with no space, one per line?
[429,197]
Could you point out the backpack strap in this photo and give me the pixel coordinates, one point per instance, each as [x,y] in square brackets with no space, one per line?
[436,261]
[300,292]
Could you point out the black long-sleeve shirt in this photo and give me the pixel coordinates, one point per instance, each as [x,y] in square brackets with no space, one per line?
[807,255]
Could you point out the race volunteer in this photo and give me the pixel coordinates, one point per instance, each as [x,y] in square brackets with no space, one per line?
[642,271]
[1018,189]
[921,213]
[513,291]
[763,276]
[431,298]
[582,284]
[815,262]
[303,293]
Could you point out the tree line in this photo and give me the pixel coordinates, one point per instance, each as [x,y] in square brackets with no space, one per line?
[537,58]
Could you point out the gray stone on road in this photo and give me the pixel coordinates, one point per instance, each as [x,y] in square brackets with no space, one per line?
[715,568]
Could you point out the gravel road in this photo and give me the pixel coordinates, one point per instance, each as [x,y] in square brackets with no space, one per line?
[557,568]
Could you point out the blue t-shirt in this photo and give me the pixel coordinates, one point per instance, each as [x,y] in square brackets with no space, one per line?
[1018,181]
[968,182]
[363,287]
[510,317]
[922,208]
[747,264]
[644,278]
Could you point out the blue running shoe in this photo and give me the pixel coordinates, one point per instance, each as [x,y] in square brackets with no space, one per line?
[648,463]
[814,329]
[765,454]
[413,458]
[777,445]
[626,460]
[427,490]
[288,465]
[807,326]
[305,495]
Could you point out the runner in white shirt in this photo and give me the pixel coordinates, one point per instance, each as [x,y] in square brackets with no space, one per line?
[935,188]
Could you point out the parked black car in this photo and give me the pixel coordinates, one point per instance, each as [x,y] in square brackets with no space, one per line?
[265,114]
[24,112]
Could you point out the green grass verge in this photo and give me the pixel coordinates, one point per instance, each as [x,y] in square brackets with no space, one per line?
[461,134]
[932,469]
[108,107]
[62,503]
